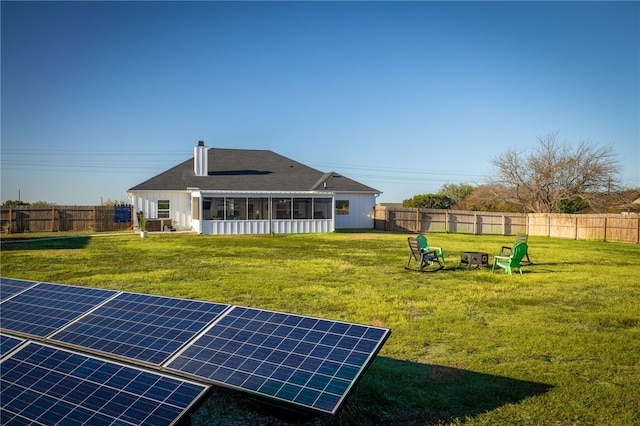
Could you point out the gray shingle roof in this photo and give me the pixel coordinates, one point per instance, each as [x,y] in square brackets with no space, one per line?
[250,170]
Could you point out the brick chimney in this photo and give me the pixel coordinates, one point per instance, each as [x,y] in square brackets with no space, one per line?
[201,159]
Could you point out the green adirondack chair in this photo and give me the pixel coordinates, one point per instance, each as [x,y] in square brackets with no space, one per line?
[424,246]
[513,261]
[520,238]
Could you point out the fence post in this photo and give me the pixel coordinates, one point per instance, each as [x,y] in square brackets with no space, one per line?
[446,222]
[418,220]
[386,216]
[605,228]
[575,231]
[475,224]
[386,219]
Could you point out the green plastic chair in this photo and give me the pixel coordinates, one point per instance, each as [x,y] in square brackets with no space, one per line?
[424,246]
[513,261]
[520,238]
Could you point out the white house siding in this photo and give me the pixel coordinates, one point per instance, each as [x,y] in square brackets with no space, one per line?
[361,210]
[179,206]
[237,227]
[302,226]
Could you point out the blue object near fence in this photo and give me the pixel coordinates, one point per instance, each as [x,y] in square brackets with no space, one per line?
[122,213]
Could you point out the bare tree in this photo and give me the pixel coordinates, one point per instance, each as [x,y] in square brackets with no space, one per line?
[493,198]
[555,174]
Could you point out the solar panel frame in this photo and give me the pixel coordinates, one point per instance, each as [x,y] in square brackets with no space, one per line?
[9,343]
[43,384]
[9,287]
[303,362]
[43,309]
[140,327]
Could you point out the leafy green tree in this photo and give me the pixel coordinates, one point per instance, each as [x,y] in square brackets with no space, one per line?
[15,203]
[428,201]
[572,206]
[457,193]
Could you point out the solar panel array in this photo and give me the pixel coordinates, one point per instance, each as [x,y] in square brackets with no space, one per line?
[140,327]
[44,385]
[300,361]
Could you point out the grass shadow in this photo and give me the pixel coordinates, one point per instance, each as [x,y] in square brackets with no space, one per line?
[53,243]
[391,392]
[415,393]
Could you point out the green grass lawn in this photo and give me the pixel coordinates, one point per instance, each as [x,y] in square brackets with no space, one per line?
[558,345]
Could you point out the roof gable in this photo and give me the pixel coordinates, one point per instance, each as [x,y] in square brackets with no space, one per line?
[250,170]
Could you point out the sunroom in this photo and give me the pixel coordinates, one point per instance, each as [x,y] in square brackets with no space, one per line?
[221,214]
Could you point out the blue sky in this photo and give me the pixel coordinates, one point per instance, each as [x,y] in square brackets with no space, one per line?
[402,96]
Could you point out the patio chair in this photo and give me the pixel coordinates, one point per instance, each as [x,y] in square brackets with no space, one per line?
[424,246]
[426,261]
[511,262]
[520,238]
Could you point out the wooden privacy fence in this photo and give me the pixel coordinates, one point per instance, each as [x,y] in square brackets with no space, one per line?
[15,219]
[603,227]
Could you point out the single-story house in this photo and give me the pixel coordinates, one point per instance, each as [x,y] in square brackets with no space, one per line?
[239,191]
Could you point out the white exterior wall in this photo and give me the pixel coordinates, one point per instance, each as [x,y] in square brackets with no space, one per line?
[361,211]
[237,227]
[179,206]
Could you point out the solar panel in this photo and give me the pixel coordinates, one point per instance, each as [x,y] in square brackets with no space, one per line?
[8,343]
[307,362]
[45,385]
[10,286]
[43,309]
[141,327]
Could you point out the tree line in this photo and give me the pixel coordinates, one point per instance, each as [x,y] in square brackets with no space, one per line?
[555,177]
[108,202]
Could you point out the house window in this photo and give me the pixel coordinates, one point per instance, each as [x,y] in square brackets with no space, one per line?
[322,208]
[258,209]
[302,208]
[163,209]
[236,208]
[281,208]
[342,207]
[213,208]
